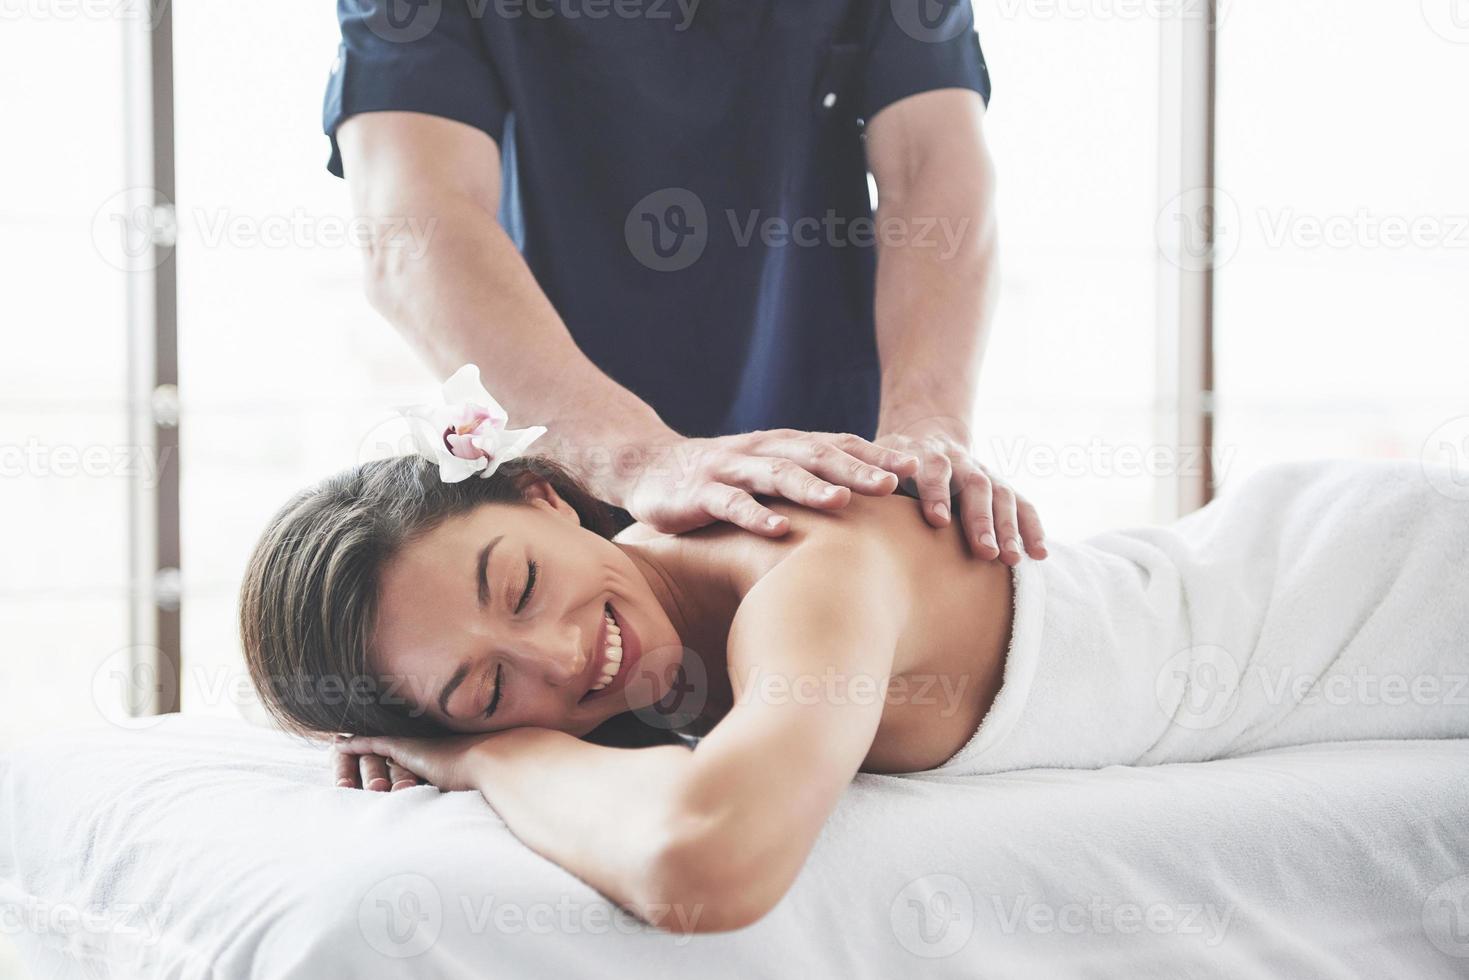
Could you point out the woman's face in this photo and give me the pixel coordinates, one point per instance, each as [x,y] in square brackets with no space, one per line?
[495,619]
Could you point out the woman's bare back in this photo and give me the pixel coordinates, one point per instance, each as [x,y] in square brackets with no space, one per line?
[949,661]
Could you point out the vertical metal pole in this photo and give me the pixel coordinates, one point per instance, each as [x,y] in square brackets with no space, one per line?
[152,291]
[167,591]
[1187,241]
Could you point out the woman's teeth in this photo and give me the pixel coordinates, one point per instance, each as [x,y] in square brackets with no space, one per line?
[613,650]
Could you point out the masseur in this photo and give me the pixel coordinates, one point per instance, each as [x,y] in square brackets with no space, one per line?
[648,222]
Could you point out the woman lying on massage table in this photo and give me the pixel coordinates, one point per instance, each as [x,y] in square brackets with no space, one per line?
[487,635]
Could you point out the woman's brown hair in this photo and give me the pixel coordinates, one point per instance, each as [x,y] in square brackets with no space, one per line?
[310,593]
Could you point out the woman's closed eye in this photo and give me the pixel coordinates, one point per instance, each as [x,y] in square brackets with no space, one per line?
[532,574]
[533,569]
[499,689]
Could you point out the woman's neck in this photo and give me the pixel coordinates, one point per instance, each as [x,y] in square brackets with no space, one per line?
[695,582]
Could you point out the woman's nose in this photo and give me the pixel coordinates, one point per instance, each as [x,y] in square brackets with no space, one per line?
[561,654]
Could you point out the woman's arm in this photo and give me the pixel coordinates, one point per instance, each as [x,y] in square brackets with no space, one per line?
[709,840]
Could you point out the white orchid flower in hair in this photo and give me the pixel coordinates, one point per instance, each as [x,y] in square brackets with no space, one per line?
[466,435]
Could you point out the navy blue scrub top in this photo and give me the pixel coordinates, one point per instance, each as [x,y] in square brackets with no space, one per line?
[690,191]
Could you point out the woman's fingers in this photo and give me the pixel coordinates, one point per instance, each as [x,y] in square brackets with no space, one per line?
[374,770]
[400,778]
[353,744]
[370,771]
[344,769]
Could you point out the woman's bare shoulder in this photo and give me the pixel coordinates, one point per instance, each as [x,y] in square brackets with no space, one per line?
[893,522]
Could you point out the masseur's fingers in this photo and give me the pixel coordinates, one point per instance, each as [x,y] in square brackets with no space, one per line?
[1031,530]
[933,481]
[777,476]
[344,769]
[1007,523]
[726,503]
[896,461]
[841,457]
[375,773]
[399,777]
[836,460]
[976,511]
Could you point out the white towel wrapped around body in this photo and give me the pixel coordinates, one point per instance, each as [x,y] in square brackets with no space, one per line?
[1316,602]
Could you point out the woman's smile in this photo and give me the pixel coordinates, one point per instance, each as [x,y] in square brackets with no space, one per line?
[615,656]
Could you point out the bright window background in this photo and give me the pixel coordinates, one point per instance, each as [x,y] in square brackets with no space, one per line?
[64,575]
[64,453]
[1067,404]
[1344,117]
[284,367]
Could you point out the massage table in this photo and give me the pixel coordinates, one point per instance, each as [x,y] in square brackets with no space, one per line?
[209,847]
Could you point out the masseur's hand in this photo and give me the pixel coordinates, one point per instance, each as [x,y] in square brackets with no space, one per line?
[693,482]
[386,762]
[996,519]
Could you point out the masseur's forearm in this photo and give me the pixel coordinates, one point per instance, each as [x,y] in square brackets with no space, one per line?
[468,296]
[936,286]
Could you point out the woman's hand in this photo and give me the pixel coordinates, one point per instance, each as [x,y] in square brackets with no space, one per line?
[383,763]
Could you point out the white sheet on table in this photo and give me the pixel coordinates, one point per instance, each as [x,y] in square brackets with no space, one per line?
[1325,861]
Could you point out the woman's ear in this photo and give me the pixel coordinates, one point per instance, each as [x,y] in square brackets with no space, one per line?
[537,491]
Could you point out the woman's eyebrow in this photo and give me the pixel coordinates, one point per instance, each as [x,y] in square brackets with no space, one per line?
[481,571]
[450,687]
